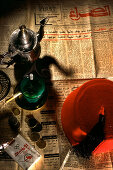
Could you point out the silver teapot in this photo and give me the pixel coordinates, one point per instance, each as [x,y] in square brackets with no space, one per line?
[25,43]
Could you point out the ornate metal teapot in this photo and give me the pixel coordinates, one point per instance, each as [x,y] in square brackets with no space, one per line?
[24,42]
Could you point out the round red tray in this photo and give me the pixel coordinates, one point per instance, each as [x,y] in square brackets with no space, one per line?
[80,111]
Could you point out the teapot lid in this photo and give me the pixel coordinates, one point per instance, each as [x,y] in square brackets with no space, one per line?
[23,39]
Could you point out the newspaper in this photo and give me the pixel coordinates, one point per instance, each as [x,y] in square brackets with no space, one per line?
[78,36]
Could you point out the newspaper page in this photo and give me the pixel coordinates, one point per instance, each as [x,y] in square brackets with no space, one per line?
[78,35]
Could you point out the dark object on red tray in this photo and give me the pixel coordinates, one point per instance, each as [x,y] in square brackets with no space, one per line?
[92,140]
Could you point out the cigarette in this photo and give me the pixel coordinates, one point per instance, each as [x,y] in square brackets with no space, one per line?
[13,97]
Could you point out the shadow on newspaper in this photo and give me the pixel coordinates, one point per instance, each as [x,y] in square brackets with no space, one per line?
[42,66]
